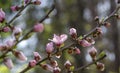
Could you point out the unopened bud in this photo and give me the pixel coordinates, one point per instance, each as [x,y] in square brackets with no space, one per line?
[56,70]
[93,52]
[73,32]
[49,47]
[37,2]
[96,18]
[77,50]
[8,62]
[70,51]
[47,67]
[100,66]
[54,63]
[32,63]
[67,64]
[84,43]
[6,29]
[14,8]
[107,24]
[38,27]
[20,55]
[37,56]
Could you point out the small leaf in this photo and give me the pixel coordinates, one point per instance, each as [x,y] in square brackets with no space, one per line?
[80,37]
[72,68]
[101,54]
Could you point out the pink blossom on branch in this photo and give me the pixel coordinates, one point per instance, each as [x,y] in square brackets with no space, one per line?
[8,62]
[73,32]
[32,63]
[49,47]
[38,27]
[84,43]
[58,40]
[14,8]
[37,56]
[2,15]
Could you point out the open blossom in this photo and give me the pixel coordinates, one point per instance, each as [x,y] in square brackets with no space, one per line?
[20,55]
[32,63]
[73,32]
[2,15]
[14,8]
[49,47]
[38,27]
[37,56]
[84,43]
[58,40]
[8,62]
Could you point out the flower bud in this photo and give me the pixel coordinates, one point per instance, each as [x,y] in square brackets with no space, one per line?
[96,18]
[73,32]
[70,51]
[17,31]
[14,8]
[47,67]
[26,1]
[2,15]
[38,27]
[10,43]
[67,64]
[37,56]
[6,29]
[107,24]
[100,66]
[84,43]
[49,48]
[20,55]
[99,31]
[8,62]
[77,50]
[54,63]
[37,2]
[56,70]
[93,52]
[32,63]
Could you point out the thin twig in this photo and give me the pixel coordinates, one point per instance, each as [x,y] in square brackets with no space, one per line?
[87,65]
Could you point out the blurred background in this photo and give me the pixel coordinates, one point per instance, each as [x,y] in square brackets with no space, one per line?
[68,13]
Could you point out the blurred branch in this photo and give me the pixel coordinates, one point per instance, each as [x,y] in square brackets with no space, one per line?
[18,14]
[85,66]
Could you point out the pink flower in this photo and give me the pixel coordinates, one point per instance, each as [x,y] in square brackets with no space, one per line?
[93,52]
[54,63]
[2,15]
[49,47]
[58,40]
[84,43]
[32,63]
[37,56]
[20,55]
[8,62]
[14,8]
[38,27]
[73,32]
[6,29]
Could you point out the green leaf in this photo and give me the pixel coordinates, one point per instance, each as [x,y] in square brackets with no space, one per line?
[101,54]
[72,68]
[80,37]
